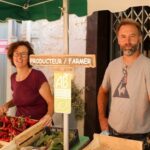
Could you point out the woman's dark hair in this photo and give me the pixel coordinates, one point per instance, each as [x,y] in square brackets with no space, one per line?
[13,46]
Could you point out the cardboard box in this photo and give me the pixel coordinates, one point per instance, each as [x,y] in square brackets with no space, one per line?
[103,142]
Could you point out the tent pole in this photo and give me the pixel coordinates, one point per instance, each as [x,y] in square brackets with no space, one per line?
[66,51]
[28,31]
[66,26]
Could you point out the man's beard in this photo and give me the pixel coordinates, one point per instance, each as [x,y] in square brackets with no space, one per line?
[130,51]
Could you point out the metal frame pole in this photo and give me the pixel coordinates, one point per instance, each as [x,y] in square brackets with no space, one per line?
[66,51]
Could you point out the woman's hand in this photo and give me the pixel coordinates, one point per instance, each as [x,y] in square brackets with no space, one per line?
[3,109]
[47,120]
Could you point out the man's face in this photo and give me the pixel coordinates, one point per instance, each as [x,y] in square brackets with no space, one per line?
[129,39]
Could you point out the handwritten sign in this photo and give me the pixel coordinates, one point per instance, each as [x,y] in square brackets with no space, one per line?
[63,60]
[62,92]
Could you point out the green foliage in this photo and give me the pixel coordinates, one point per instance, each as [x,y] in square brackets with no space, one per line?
[54,141]
[77,102]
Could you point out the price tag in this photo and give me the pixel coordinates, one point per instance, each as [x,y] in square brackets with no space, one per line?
[62,92]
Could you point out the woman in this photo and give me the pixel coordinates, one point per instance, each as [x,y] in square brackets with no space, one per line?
[31,91]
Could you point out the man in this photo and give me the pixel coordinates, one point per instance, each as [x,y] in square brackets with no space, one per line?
[127,79]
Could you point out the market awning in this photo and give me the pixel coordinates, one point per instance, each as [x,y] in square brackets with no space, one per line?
[52,9]
[114,5]
[39,9]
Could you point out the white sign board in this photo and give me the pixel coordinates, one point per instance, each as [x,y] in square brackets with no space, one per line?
[62,92]
[63,60]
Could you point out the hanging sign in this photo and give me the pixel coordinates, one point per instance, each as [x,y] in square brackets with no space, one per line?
[63,60]
[62,92]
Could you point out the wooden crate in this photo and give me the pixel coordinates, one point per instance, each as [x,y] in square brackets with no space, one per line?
[3,143]
[25,138]
[102,142]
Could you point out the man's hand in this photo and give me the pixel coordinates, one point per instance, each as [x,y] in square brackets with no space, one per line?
[105,132]
[104,124]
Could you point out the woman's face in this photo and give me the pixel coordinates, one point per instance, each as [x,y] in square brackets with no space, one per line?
[20,57]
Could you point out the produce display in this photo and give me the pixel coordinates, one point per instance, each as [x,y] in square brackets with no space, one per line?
[52,139]
[12,126]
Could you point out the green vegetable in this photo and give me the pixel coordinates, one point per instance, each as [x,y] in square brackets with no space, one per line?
[53,141]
